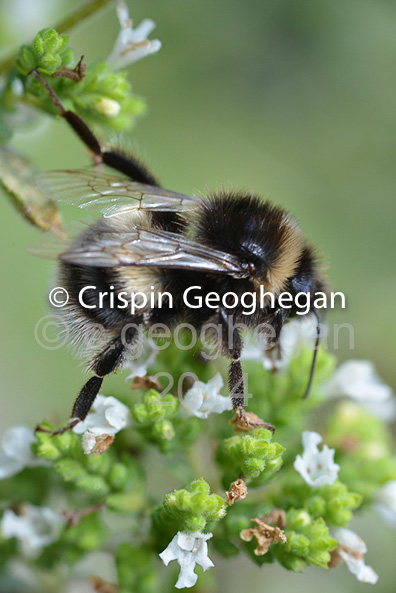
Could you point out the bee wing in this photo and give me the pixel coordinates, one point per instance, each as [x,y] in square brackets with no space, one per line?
[107,193]
[151,248]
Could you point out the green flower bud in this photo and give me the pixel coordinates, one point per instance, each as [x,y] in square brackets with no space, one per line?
[27,59]
[163,430]
[195,523]
[194,506]
[48,41]
[125,503]
[118,476]
[249,455]
[65,441]
[140,414]
[69,469]
[50,63]
[92,484]
[46,449]
[88,534]
[67,57]
[199,486]
[307,539]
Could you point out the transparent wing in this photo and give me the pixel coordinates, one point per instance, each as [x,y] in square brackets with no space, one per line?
[107,193]
[150,248]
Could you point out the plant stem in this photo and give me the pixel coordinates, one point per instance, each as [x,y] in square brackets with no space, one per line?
[75,18]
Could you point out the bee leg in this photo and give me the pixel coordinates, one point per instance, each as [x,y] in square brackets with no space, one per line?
[129,165]
[232,347]
[106,362]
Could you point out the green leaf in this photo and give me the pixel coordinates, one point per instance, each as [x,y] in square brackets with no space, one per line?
[17,178]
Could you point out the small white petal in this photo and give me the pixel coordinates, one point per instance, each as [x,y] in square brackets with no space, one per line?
[295,334]
[116,413]
[9,466]
[143,30]
[132,44]
[138,367]
[108,107]
[35,528]
[356,566]
[359,380]
[386,503]
[17,454]
[17,441]
[108,416]
[171,552]
[351,549]
[316,467]
[88,442]
[349,539]
[204,398]
[188,548]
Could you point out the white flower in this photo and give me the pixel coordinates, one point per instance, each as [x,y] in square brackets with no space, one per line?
[132,44]
[35,528]
[204,398]
[294,335]
[188,548]
[16,453]
[107,417]
[351,549]
[359,380]
[316,467]
[108,107]
[386,503]
[95,444]
[139,365]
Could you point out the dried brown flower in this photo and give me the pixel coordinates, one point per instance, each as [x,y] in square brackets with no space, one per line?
[265,535]
[237,491]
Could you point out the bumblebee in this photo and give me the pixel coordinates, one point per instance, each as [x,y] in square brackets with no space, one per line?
[150,240]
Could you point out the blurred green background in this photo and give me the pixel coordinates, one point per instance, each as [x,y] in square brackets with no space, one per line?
[291,99]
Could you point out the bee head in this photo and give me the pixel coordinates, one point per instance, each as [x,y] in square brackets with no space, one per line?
[265,238]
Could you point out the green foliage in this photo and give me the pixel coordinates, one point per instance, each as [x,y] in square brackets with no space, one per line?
[333,502]
[308,541]
[249,455]
[47,54]
[135,569]
[102,97]
[365,449]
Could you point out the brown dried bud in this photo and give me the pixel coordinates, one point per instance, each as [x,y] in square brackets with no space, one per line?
[265,536]
[150,382]
[96,444]
[247,422]
[237,491]
[101,586]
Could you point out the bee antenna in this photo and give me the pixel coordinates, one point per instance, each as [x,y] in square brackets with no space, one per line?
[315,354]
